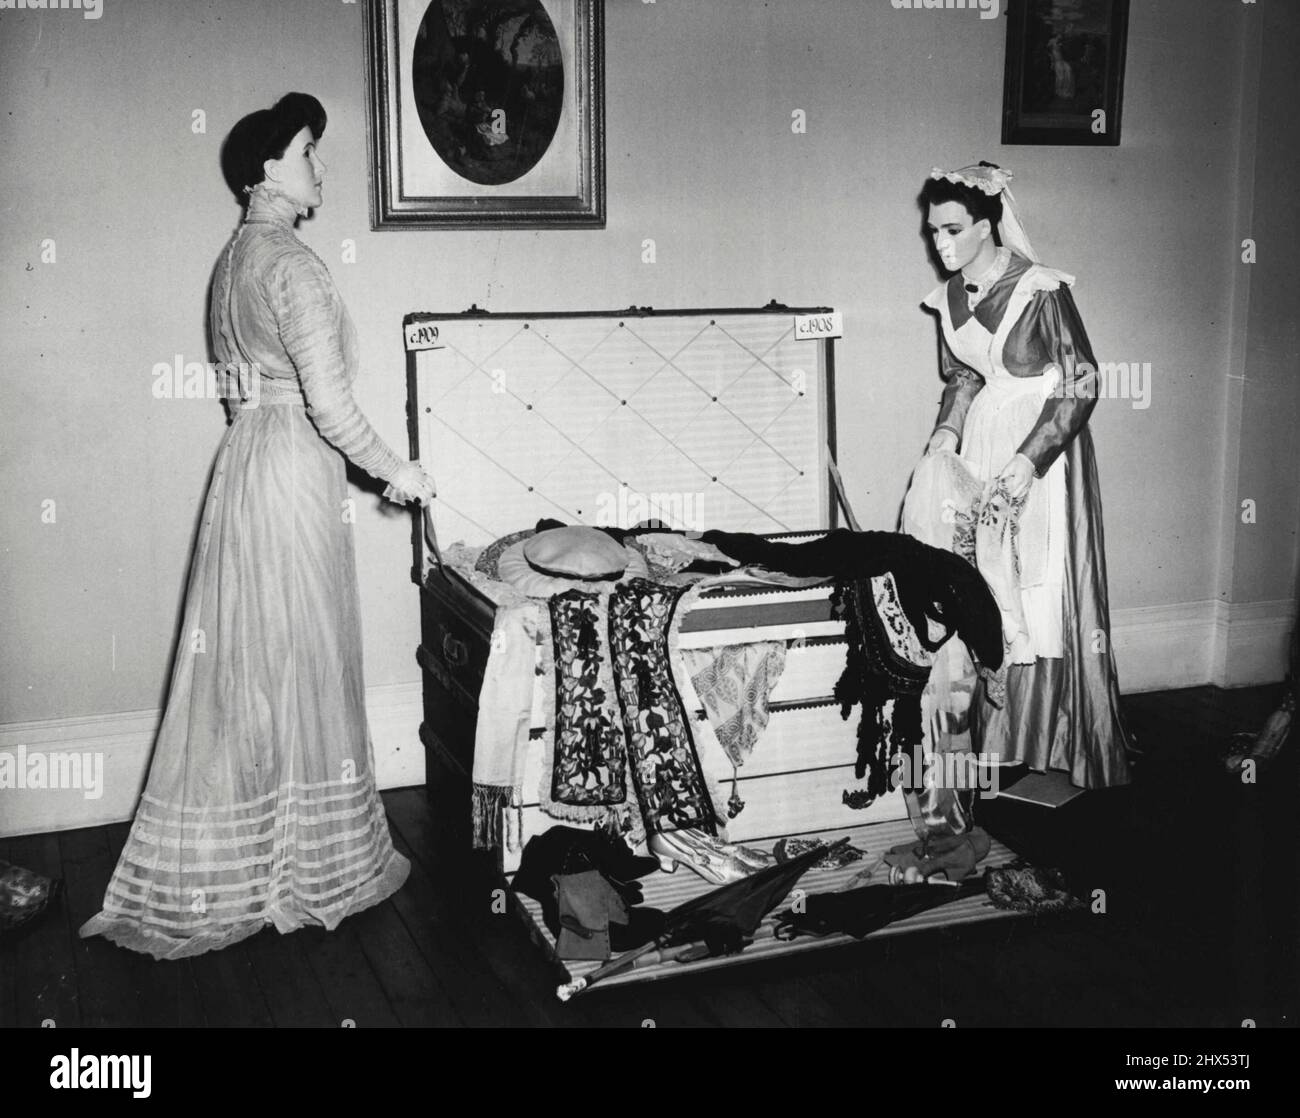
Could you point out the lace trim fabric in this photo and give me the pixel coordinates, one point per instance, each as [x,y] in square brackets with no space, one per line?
[618,713]
[192,880]
[879,676]
[590,759]
[669,777]
[266,201]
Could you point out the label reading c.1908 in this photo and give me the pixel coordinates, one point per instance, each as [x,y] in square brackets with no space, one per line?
[824,324]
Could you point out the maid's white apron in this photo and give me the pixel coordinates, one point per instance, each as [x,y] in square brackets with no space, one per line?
[1000,417]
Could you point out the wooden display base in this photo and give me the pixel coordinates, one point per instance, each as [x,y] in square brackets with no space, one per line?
[666,891]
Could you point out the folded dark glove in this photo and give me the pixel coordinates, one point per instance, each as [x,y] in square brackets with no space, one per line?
[586,905]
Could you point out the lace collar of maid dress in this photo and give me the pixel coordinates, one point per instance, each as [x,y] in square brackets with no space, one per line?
[988,303]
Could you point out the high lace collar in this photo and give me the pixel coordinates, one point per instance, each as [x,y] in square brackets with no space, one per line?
[269,205]
[980,286]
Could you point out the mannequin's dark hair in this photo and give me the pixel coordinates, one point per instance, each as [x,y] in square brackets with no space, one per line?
[264,135]
[979,205]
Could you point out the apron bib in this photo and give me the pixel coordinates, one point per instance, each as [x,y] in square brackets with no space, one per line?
[1001,416]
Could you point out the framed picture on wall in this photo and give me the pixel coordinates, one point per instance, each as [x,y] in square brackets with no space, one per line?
[486,113]
[1064,79]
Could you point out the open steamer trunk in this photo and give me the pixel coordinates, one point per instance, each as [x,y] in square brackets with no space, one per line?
[728,417]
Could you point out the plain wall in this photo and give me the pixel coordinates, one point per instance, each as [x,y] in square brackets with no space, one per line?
[1264,551]
[101,156]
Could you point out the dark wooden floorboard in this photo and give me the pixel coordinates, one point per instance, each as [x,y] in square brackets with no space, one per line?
[667,1004]
[166,992]
[45,982]
[1199,874]
[289,986]
[355,996]
[107,985]
[228,989]
[798,1003]
[977,978]
[478,996]
[413,989]
[8,966]
[455,898]
[732,1001]
[861,983]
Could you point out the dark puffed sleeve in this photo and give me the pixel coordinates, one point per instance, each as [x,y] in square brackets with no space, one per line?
[1063,342]
[303,297]
[962,386]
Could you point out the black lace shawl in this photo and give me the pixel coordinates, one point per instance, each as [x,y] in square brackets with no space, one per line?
[932,584]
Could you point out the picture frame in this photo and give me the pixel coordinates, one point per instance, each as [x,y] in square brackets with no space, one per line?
[486,114]
[1064,78]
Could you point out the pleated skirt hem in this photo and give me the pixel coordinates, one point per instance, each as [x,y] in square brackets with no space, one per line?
[285,916]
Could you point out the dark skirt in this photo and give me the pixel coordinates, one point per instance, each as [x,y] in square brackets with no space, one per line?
[1064,714]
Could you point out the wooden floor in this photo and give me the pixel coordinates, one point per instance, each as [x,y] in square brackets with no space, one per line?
[1199,874]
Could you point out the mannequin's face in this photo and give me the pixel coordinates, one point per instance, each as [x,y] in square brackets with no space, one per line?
[299,172]
[957,239]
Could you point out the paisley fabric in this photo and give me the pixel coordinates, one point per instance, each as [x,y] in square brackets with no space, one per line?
[733,683]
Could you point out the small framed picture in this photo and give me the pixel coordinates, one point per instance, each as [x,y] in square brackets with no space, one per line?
[486,113]
[1065,71]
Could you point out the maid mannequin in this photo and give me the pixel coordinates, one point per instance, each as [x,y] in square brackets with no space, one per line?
[1020,386]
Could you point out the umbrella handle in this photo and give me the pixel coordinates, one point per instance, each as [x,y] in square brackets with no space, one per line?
[565,992]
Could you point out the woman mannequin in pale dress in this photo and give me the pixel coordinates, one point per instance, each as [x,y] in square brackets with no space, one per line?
[261,806]
[1021,384]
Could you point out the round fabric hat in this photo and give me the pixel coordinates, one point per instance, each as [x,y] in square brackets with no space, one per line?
[514,569]
[577,552]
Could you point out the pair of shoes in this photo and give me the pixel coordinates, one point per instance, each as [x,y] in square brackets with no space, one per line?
[700,852]
[748,856]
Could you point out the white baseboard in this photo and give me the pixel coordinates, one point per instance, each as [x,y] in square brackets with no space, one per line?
[1256,638]
[118,746]
[1156,648]
[1160,648]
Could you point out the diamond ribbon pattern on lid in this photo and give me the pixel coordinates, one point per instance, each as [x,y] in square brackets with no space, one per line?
[703,422]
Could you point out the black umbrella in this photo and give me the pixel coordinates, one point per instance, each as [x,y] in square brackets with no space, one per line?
[859,912]
[724,918]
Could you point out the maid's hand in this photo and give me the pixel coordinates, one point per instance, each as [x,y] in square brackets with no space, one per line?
[1017,476]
